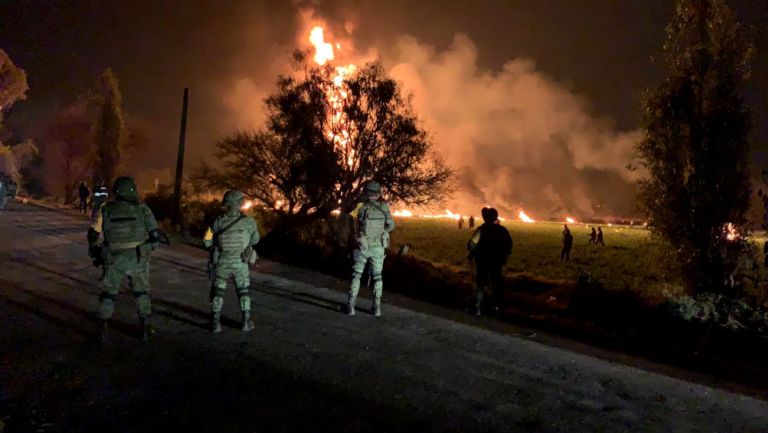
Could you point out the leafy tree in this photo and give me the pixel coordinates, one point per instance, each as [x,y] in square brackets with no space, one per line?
[109,132]
[13,83]
[327,135]
[69,149]
[695,146]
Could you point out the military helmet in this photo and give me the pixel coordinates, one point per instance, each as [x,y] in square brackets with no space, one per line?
[233,198]
[373,186]
[125,187]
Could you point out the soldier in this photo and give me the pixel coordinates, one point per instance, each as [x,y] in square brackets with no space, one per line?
[600,237]
[231,240]
[471,222]
[489,247]
[565,254]
[130,234]
[100,196]
[374,223]
[84,193]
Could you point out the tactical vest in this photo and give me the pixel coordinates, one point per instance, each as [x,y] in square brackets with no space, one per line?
[373,224]
[235,240]
[123,225]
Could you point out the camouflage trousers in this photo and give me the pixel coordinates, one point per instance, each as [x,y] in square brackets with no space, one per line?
[125,264]
[374,255]
[238,271]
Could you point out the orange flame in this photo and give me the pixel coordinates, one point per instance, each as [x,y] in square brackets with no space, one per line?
[525,218]
[338,132]
[404,213]
[247,205]
[570,220]
[731,233]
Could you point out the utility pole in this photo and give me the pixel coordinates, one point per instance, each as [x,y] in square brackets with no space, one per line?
[180,160]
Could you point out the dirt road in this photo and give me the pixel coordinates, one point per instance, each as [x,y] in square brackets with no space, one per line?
[305,367]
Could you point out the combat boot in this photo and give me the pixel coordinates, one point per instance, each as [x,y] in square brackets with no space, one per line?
[351,305]
[247,322]
[376,308]
[216,323]
[146,328]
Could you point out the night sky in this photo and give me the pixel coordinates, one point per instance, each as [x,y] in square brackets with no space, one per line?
[600,50]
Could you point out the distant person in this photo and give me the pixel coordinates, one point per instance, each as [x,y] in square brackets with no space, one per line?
[600,236]
[489,247]
[84,193]
[100,196]
[565,253]
[471,222]
[3,193]
[593,236]
[461,223]
[765,253]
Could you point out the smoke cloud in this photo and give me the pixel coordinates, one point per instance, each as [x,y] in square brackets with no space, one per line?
[516,138]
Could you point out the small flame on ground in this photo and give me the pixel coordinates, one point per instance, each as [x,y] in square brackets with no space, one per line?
[247,205]
[525,218]
[570,220]
[403,213]
[731,233]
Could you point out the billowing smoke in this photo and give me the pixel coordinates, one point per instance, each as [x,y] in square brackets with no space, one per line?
[516,138]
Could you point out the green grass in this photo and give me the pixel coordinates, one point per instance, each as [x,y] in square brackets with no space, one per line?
[631,259]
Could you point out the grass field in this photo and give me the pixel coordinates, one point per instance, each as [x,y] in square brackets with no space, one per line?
[631,259]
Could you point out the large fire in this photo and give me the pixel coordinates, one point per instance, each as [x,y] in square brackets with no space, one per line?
[338,130]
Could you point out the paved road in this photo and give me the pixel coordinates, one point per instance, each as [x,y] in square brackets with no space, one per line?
[305,366]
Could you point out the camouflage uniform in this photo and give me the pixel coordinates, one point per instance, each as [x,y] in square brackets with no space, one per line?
[130,234]
[374,223]
[233,237]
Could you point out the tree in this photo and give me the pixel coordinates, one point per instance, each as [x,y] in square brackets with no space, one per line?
[695,147]
[69,147]
[329,132]
[13,83]
[109,132]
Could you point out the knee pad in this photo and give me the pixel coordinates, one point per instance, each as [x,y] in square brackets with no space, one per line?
[217,303]
[243,291]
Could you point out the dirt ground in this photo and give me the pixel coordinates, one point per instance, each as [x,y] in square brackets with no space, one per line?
[305,367]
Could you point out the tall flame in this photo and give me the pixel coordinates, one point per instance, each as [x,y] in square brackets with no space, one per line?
[323,50]
[338,131]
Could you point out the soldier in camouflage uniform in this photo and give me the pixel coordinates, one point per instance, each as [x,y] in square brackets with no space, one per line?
[232,238]
[130,234]
[374,223]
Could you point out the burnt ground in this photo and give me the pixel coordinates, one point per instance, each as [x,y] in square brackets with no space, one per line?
[305,366]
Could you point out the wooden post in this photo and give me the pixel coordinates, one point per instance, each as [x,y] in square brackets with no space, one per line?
[180,160]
